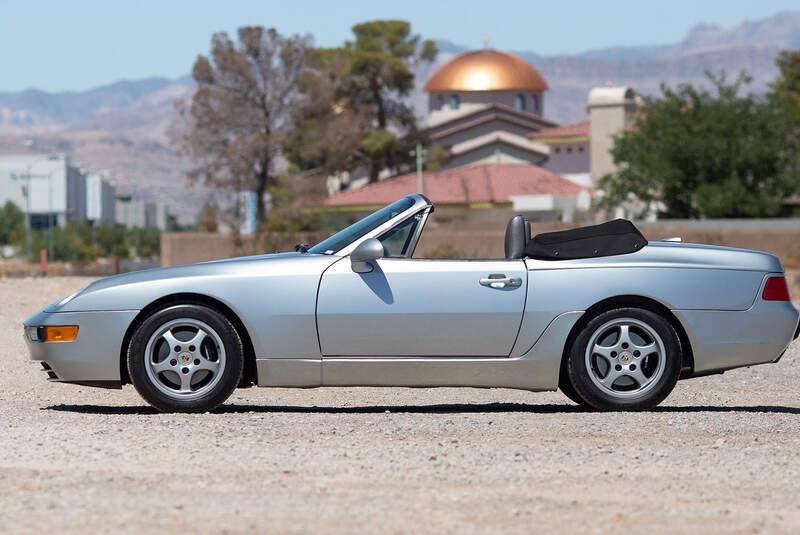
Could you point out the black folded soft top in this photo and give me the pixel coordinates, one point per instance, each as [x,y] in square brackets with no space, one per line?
[615,237]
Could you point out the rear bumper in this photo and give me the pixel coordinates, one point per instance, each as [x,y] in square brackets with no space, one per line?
[93,358]
[722,339]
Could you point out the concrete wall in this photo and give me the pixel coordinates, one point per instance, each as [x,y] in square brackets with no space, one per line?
[479,234]
[188,247]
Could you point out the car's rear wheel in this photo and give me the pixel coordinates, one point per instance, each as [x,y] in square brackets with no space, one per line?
[568,390]
[185,358]
[625,359]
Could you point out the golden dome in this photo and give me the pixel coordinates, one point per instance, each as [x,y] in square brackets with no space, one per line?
[485,70]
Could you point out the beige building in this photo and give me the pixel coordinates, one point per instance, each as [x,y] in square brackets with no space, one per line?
[483,104]
[612,110]
[487,108]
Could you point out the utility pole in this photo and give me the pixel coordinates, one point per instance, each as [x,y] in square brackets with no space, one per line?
[27,191]
[420,184]
[50,218]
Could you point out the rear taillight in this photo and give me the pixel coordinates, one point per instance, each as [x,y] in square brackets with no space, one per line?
[775,289]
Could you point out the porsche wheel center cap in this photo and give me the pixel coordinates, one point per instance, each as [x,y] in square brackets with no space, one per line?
[185,357]
[625,357]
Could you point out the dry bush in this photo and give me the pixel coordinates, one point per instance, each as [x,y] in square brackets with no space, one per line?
[445,250]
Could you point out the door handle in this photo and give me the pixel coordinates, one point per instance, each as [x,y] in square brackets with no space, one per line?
[501,281]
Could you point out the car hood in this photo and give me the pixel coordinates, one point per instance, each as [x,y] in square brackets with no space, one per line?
[179,276]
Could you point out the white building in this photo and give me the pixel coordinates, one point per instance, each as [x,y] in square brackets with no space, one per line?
[100,199]
[134,213]
[56,189]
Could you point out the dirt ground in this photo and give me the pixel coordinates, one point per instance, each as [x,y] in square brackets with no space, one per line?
[721,455]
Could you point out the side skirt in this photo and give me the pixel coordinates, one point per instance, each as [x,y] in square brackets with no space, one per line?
[538,369]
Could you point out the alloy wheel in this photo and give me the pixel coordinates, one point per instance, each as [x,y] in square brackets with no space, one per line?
[625,357]
[185,358]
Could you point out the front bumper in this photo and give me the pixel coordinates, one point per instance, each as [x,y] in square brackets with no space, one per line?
[93,358]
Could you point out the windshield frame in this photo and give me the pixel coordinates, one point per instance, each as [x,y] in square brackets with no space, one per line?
[420,204]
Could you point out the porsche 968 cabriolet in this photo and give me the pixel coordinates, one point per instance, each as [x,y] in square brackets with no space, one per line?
[612,320]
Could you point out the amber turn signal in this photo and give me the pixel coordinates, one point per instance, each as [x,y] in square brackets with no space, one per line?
[60,333]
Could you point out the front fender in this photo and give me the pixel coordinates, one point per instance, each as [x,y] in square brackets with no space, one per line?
[274,297]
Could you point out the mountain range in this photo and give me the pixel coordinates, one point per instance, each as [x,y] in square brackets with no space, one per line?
[123,126]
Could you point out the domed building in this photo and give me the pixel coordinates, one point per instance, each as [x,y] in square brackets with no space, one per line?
[487,109]
[483,105]
[471,80]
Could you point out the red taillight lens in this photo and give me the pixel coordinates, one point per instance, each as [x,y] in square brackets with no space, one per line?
[776,289]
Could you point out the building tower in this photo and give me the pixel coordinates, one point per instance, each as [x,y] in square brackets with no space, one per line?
[612,110]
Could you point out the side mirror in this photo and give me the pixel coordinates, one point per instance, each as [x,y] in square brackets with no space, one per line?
[370,249]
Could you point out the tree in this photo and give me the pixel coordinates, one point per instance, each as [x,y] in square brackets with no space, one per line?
[704,154]
[207,222]
[786,96]
[787,85]
[354,114]
[240,112]
[11,220]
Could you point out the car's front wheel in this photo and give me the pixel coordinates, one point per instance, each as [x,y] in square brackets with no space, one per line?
[625,359]
[185,358]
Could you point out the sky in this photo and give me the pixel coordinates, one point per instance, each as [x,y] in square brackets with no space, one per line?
[58,45]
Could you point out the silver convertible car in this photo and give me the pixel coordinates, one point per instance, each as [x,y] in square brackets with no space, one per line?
[612,320]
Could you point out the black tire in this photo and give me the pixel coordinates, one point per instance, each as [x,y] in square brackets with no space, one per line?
[625,393]
[568,390]
[162,389]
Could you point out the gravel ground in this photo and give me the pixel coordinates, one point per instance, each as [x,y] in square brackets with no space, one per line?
[721,455]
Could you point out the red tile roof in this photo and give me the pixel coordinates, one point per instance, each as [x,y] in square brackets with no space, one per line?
[477,183]
[580,129]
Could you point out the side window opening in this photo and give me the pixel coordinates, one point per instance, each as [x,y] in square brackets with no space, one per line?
[397,241]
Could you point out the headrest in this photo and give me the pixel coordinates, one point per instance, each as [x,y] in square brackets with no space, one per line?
[518,234]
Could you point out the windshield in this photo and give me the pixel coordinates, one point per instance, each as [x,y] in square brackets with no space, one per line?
[345,237]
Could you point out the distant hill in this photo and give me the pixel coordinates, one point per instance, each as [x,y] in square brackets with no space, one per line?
[122,126]
[750,46]
[32,108]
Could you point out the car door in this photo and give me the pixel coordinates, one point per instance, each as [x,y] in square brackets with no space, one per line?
[426,307]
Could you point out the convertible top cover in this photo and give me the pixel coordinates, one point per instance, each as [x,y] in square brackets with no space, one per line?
[615,237]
